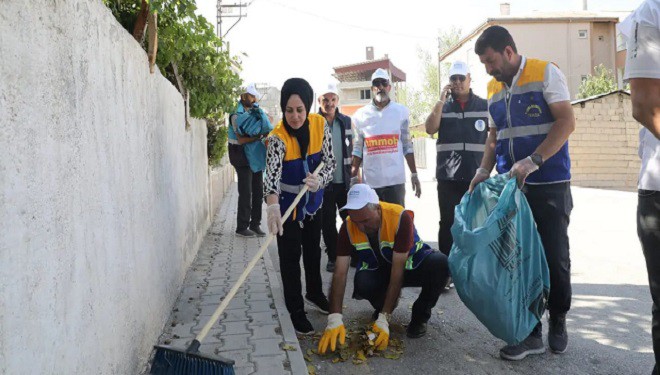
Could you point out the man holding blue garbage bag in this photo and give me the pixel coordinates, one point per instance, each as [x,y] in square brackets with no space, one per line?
[529,103]
[247,153]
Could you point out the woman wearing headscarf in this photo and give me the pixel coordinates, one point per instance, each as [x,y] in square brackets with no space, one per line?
[295,148]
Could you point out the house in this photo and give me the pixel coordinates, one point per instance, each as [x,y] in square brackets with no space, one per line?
[355,81]
[576,41]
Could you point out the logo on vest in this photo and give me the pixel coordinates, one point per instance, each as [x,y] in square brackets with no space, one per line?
[480,125]
[382,144]
[533,110]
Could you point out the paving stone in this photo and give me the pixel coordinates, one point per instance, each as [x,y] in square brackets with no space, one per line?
[183,330]
[244,370]
[257,296]
[262,317]
[259,287]
[260,306]
[234,342]
[235,315]
[266,347]
[271,365]
[216,290]
[208,310]
[265,331]
[234,328]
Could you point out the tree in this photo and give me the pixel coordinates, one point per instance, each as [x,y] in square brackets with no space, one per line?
[421,100]
[601,82]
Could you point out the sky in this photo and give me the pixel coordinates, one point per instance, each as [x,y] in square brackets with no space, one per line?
[280,39]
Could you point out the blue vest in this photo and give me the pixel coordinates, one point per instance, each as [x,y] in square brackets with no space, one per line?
[295,168]
[523,120]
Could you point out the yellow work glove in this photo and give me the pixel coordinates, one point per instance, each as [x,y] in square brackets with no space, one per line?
[382,329]
[334,329]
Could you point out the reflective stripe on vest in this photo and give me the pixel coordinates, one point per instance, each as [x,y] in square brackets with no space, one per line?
[524,131]
[348,161]
[476,147]
[465,114]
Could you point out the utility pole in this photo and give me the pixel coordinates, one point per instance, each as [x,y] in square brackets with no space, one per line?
[229,11]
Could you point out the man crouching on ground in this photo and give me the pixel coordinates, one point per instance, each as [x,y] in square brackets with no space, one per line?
[391,256]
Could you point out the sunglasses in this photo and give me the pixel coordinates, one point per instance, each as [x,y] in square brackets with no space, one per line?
[457,77]
[380,82]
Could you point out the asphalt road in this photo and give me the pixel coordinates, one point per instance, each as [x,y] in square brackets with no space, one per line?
[609,323]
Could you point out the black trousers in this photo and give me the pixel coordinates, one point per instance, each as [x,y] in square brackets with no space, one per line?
[551,206]
[334,198]
[250,198]
[392,194]
[648,230]
[431,275]
[299,240]
[449,196]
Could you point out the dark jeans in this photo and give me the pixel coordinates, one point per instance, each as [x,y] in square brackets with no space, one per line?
[551,206]
[648,230]
[290,246]
[431,275]
[392,194]
[449,196]
[334,198]
[250,198]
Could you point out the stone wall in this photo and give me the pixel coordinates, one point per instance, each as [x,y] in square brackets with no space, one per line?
[604,145]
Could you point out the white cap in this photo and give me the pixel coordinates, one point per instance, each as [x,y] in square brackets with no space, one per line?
[331,88]
[380,73]
[359,196]
[252,90]
[460,68]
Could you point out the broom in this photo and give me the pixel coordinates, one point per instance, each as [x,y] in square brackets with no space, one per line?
[172,361]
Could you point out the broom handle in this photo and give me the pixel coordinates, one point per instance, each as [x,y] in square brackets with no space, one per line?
[202,334]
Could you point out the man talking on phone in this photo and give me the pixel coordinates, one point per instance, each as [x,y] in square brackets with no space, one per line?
[461,120]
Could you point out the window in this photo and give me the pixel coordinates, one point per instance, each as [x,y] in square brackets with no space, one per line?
[365,94]
[582,34]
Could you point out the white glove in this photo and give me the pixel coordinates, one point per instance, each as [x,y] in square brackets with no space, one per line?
[481,175]
[416,185]
[333,331]
[382,328]
[312,181]
[522,168]
[275,219]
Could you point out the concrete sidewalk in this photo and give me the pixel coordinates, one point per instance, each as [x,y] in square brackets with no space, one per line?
[255,330]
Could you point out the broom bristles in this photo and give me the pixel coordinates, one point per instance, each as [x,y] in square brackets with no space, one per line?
[172,361]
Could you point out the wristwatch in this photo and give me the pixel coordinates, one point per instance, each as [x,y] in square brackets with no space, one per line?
[537,159]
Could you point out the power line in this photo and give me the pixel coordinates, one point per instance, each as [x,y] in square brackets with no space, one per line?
[351,25]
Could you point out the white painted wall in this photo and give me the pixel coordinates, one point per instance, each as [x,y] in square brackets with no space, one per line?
[103,193]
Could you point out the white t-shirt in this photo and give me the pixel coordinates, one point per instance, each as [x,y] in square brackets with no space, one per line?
[642,32]
[383,138]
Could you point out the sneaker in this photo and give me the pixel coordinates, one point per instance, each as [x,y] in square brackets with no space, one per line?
[258,232]
[416,329]
[533,344]
[300,322]
[557,334]
[330,267]
[449,284]
[245,233]
[320,302]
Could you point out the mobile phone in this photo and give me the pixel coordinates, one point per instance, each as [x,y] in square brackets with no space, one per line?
[448,94]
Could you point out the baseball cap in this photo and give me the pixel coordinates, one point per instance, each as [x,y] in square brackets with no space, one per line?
[380,73]
[359,196]
[460,68]
[331,88]
[252,90]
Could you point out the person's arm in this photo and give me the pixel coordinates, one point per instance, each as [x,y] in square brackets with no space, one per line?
[275,151]
[403,241]
[561,129]
[432,123]
[645,97]
[338,287]
[243,139]
[358,144]
[328,157]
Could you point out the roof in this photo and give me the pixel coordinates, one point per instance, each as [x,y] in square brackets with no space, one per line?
[537,17]
[580,101]
[362,71]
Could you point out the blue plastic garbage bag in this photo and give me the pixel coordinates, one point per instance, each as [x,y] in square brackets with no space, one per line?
[252,123]
[497,261]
